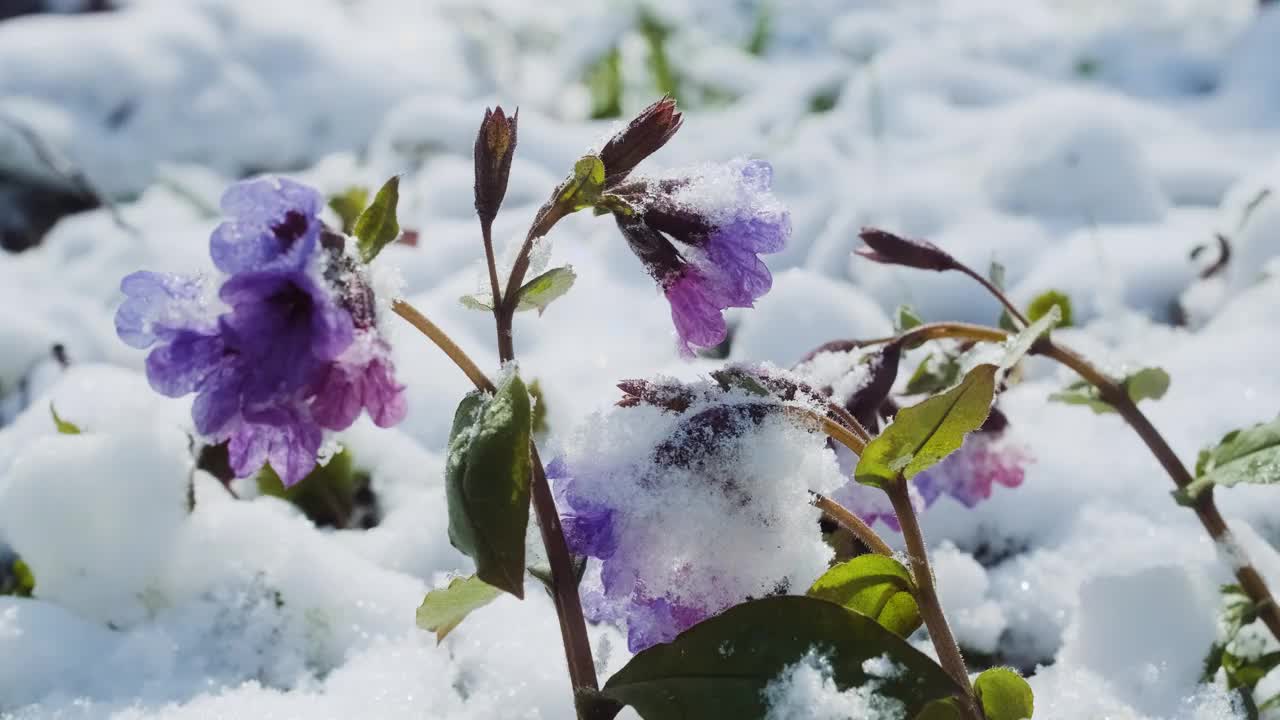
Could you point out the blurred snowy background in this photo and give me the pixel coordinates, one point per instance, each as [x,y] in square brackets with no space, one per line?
[1087,146]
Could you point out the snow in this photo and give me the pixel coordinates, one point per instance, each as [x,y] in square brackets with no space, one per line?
[1086,146]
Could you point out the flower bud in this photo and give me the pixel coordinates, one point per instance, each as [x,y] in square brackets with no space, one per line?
[495,146]
[642,137]
[885,247]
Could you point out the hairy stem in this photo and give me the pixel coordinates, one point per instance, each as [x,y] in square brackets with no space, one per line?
[502,318]
[1111,391]
[927,597]
[564,582]
[573,628]
[854,524]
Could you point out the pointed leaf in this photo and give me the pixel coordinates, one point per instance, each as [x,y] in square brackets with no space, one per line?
[905,318]
[444,608]
[1145,384]
[718,668]
[876,586]
[377,226]
[487,482]
[64,427]
[1250,456]
[925,433]
[1004,695]
[541,291]
[934,374]
[478,301]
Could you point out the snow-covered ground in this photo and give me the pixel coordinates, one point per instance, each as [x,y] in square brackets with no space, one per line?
[1087,146]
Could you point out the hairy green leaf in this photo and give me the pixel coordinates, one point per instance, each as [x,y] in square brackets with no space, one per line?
[541,291]
[718,669]
[876,586]
[444,608]
[1145,384]
[1004,695]
[1251,455]
[1042,303]
[377,226]
[487,482]
[64,427]
[925,433]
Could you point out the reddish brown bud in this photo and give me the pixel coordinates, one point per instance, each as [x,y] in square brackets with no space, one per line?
[642,137]
[885,247]
[495,145]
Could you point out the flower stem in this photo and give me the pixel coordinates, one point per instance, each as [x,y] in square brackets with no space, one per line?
[445,343]
[573,628]
[564,583]
[927,597]
[1251,582]
[854,524]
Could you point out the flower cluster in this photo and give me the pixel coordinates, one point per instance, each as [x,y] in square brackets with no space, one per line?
[282,347]
[690,508]
[699,233]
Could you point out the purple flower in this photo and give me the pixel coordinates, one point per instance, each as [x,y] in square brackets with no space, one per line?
[287,347]
[275,226]
[723,218]
[969,473]
[588,526]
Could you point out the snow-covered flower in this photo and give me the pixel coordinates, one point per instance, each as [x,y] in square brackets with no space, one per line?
[699,234]
[285,347]
[690,512]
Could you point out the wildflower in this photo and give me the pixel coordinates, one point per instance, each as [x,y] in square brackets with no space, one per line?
[689,511]
[700,235]
[285,348]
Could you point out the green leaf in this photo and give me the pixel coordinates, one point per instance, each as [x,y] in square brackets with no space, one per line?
[1145,384]
[538,421]
[1251,455]
[487,482]
[327,495]
[444,608]
[905,319]
[876,586]
[377,226]
[1247,672]
[541,291]
[925,433]
[1040,306]
[348,204]
[584,188]
[1020,344]
[64,427]
[477,302]
[1004,695]
[719,668]
[17,581]
[934,374]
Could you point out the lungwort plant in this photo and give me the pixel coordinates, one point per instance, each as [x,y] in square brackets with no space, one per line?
[286,345]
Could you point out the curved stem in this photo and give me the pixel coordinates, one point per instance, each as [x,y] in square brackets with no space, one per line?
[573,628]
[835,430]
[1254,586]
[445,343]
[927,596]
[854,524]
